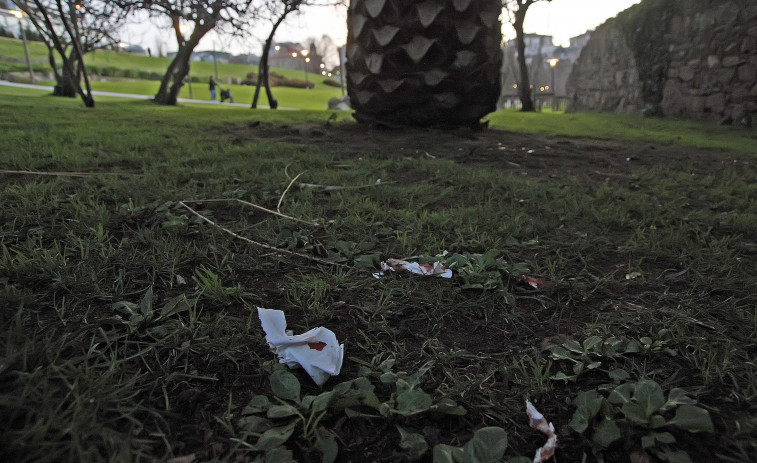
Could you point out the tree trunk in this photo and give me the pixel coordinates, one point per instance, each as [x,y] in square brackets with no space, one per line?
[263,77]
[178,70]
[173,79]
[66,81]
[263,66]
[524,86]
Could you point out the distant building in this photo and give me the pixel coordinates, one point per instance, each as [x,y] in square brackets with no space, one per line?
[209,56]
[135,49]
[205,56]
[539,50]
[248,58]
[288,55]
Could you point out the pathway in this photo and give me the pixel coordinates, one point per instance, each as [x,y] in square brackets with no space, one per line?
[139,97]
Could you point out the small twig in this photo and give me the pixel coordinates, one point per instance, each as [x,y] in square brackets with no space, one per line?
[612,174]
[266,246]
[278,206]
[339,188]
[65,174]
[330,187]
[315,224]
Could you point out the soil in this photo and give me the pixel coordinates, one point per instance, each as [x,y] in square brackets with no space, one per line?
[530,154]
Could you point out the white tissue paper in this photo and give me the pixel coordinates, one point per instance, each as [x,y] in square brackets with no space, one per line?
[537,421]
[317,351]
[436,269]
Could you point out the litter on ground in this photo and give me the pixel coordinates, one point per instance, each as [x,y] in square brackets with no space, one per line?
[537,421]
[317,351]
[436,269]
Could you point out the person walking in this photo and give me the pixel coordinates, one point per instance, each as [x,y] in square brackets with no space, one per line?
[212,84]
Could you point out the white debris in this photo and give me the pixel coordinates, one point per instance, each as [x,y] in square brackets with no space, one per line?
[318,352]
[436,269]
[537,421]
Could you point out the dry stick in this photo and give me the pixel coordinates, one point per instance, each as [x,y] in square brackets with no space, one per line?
[266,246]
[315,224]
[65,174]
[330,187]
[278,206]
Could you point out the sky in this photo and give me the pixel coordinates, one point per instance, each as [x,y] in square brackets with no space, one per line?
[562,19]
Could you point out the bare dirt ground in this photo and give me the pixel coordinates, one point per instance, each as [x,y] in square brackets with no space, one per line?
[533,154]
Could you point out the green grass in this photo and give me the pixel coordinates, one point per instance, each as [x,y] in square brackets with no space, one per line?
[128,326]
[12,50]
[630,127]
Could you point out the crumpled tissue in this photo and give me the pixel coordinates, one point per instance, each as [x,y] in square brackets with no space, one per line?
[317,351]
[436,269]
[537,421]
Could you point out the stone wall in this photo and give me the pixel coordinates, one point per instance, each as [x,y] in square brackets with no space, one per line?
[689,58]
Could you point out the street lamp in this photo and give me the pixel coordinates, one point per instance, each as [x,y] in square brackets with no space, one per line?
[183,29]
[305,61]
[20,16]
[552,64]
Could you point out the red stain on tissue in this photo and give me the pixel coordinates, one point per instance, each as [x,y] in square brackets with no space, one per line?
[317,345]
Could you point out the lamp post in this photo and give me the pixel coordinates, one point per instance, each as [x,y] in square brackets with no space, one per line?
[20,16]
[305,61]
[552,64]
[183,29]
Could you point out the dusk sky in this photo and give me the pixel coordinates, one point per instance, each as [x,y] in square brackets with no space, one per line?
[562,19]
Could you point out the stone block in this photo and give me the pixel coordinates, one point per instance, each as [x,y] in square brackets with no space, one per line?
[728,13]
[694,62]
[731,47]
[619,78]
[752,32]
[754,90]
[725,75]
[731,61]
[677,26]
[748,13]
[738,112]
[750,106]
[747,73]
[716,103]
[741,93]
[694,104]
[748,45]
[686,73]
[713,61]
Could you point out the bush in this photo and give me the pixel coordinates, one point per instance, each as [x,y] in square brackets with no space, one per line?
[331,83]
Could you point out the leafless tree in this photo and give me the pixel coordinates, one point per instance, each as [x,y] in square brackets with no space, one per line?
[70,30]
[277,11]
[516,10]
[325,47]
[198,17]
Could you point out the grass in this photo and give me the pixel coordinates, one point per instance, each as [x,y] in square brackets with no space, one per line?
[128,326]
[631,127]
[12,53]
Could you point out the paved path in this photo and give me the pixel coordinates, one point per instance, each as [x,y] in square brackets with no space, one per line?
[140,97]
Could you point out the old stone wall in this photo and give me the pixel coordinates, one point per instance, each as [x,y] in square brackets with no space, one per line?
[689,58]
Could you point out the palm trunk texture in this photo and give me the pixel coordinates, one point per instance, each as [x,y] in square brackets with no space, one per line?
[423,63]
